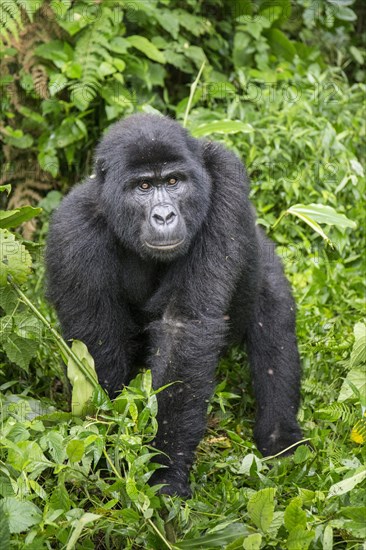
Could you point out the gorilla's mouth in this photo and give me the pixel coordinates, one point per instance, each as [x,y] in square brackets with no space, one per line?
[165,246]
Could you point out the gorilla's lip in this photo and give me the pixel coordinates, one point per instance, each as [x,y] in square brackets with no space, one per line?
[167,246]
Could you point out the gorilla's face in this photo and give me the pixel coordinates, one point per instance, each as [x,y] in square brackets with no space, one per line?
[156,191]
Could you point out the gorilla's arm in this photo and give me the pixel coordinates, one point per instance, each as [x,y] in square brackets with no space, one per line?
[274,357]
[82,270]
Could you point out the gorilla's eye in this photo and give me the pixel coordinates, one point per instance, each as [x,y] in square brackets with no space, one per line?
[172,181]
[144,185]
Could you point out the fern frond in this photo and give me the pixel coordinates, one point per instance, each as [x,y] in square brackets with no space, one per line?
[338,411]
[91,49]
[313,387]
[12,14]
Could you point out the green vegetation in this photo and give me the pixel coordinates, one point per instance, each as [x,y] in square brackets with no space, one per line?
[282,86]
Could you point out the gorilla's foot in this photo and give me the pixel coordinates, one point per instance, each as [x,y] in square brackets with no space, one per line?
[272,440]
[175,483]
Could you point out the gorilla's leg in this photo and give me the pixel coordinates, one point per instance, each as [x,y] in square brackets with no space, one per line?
[186,355]
[275,364]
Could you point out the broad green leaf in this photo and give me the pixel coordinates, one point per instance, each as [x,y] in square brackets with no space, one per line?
[8,299]
[357,54]
[280,44]
[145,46]
[261,507]
[101,399]
[152,405]
[15,259]
[119,45]
[131,488]
[22,324]
[357,513]
[328,538]
[193,23]
[56,51]
[321,213]
[215,540]
[14,218]
[301,454]
[272,13]
[19,350]
[51,201]
[18,433]
[56,446]
[75,450]
[347,484]
[249,463]
[313,214]
[60,499]
[356,520]
[79,526]
[196,54]
[16,138]
[357,167]
[147,382]
[27,409]
[222,127]
[32,115]
[36,487]
[295,516]
[252,542]
[82,388]
[341,2]
[357,378]
[27,456]
[277,522]
[4,531]
[116,94]
[48,161]
[71,130]
[20,514]
[358,354]
[299,539]
[169,21]
[345,14]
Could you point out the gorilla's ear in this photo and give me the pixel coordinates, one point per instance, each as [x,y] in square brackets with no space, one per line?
[99,169]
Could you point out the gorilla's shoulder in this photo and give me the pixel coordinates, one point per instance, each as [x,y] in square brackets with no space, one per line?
[79,213]
[81,200]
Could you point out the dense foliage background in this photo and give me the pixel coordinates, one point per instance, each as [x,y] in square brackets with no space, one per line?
[282,85]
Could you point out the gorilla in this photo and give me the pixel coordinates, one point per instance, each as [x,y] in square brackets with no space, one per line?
[156,259]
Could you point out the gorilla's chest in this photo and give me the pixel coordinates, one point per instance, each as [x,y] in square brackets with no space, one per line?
[139,281]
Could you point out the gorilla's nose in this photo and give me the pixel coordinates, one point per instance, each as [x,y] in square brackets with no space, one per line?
[163,214]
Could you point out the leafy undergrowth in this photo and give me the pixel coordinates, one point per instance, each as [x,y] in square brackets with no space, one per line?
[73,483]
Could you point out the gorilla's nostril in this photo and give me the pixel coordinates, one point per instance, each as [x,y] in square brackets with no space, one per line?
[159,219]
[170,217]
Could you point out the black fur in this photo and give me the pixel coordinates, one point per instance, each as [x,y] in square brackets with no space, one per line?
[178,309]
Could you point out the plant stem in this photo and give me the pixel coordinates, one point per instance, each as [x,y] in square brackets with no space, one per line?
[191,95]
[64,348]
[168,545]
